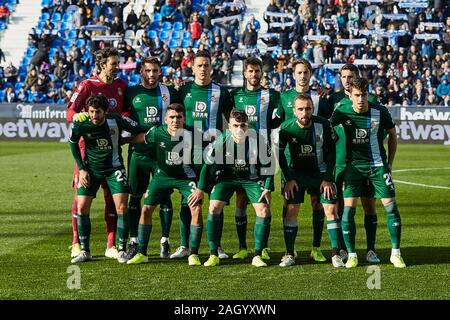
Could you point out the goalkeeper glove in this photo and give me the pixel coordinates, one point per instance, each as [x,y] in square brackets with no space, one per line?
[81,117]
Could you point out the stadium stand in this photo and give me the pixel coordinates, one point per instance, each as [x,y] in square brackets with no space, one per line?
[402,50]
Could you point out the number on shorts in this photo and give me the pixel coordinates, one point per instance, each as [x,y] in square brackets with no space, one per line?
[193,186]
[388,179]
[120,175]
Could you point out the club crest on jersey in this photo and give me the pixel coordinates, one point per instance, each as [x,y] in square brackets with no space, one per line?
[263,100]
[112,132]
[164,97]
[213,98]
[112,103]
[374,124]
[317,138]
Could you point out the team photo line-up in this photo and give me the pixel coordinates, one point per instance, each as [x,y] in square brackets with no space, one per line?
[202,139]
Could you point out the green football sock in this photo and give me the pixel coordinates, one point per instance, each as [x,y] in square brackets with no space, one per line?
[220,229]
[394,224]
[134,213]
[349,228]
[195,238]
[84,231]
[122,230]
[241,226]
[290,229]
[260,229]
[212,226]
[267,234]
[317,222]
[185,222]
[370,224]
[144,231]
[165,215]
[334,229]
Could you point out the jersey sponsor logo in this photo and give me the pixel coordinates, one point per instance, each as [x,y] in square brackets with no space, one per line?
[112,103]
[200,106]
[102,144]
[250,110]
[74,96]
[130,121]
[361,133]
[152,111]
[173,158]
[306,149]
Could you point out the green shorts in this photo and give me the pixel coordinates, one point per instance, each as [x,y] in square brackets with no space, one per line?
[224,190]
[140,168]
[117,182]
[310,191]
[161,186]
[367,189]
[310,184]
[380,177]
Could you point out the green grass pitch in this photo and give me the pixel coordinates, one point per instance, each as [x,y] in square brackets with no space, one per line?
[35,232]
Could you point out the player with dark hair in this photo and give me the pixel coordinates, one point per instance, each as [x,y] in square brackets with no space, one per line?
[365,124]
[105,81]
[235,154]
[148,101]
[347,73]
[260,105]
[205,104]
[102,163]
[174,171]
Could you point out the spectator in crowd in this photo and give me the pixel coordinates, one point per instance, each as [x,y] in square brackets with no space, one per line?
[10,95]
[168,11]
[5,13]
[144,20]
[31,79]
[250,37]
[132,21]
[10,73]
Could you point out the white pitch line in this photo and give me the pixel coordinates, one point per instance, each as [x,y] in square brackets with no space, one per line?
[421,185]
[420,169]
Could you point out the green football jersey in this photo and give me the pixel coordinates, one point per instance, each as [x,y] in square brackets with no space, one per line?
[260,106]
[312,149]
[238,161]
[148,107]
[102,142]
[169,153]
[204,104]
[286,112]
[364,133]
[335,100]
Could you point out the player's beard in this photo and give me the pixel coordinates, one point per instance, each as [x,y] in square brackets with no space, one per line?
[305,121]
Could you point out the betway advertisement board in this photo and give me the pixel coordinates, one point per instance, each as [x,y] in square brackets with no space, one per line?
[34,122]
[48,122]
[422,124]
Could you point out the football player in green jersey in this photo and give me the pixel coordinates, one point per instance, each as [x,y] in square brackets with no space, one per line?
[173,171]
[260,105]
[365,125]
[347,73]
[302,74]
[148,102]
[206,104]
[311,144]
[236,154]
[103,162]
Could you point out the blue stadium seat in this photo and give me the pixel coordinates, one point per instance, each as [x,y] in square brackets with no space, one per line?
[46,3]
[80,42]
[18,86]
[40,25]
[56,43]
[173,44]
[25,61]
[2,26]
[2,95]
[186,35]
[175,35]
[166,26]
[56,17]
[135,78]
[64,26]
[44,16]
[185,43]
[72,34]
[67,17]
[152,34]
[163,35]
[178,26]
[157,17]
[30,52]
[164,70]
